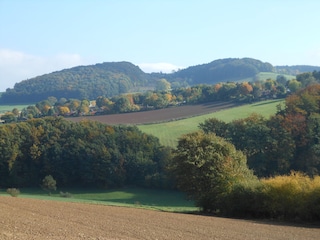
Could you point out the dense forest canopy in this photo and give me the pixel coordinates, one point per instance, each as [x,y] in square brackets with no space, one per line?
[230,69]
[80,82]
[79,154]
[113,78]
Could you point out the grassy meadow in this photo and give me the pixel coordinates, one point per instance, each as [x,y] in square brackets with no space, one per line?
[272,75]
[169,132]
[163,200]
[262,76]
[9,108]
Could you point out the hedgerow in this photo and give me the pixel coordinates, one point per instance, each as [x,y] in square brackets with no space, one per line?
[291,197]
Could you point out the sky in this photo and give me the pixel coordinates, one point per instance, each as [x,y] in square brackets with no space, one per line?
[39,37]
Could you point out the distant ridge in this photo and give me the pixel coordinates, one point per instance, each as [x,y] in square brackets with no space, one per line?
[296,69]
[222,70]
[114,78]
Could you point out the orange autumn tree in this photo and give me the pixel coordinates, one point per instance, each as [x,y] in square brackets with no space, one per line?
[245,88]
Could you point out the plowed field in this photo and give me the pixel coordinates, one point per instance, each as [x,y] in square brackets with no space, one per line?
[160,115]
[26,219]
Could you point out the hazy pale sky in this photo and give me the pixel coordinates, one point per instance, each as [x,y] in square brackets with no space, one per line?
[41,36]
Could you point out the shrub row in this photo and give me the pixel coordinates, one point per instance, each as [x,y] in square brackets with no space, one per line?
[294,197]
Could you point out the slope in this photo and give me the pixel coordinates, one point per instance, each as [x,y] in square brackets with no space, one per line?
[83,82]
[114,78]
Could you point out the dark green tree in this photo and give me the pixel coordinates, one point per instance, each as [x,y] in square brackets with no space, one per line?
[49,184]
[8,117]
[121,104]
[206,167]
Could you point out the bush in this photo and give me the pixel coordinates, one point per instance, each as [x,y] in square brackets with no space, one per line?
[65,194]
[49,184]
[245,200]
[14,192]
[313,200]
[295,197]
[287,196]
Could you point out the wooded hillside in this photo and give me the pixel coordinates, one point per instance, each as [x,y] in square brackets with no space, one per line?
[222,70]
[83,82]
[113,78]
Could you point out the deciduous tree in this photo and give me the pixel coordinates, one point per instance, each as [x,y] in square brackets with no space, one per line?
[206,167]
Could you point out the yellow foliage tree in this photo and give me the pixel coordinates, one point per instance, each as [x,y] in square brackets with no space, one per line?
[63,110]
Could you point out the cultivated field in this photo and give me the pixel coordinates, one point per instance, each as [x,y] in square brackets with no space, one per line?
[26,219]
[169,132]
[161,115]
[170,123]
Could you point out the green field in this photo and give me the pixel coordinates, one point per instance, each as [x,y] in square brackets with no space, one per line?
[9,108]
[271,75]
[169,132]
[164,200]
[262,76]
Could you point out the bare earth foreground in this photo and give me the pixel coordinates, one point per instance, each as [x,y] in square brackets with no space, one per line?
[22,218]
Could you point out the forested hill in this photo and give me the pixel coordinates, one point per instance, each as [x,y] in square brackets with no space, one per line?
[83,82]
[222,70]
[114,78]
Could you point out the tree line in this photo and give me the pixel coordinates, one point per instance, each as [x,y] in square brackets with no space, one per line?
[79,154]
[164,96]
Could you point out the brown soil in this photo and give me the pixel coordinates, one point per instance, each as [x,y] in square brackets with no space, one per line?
[160,115]
[22,219]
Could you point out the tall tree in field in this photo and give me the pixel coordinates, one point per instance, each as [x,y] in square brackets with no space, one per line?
[206,167]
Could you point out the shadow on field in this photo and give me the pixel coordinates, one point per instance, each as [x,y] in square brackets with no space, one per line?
[273,222]
[132,196]
[266,103]
[159,198]
[310,225]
